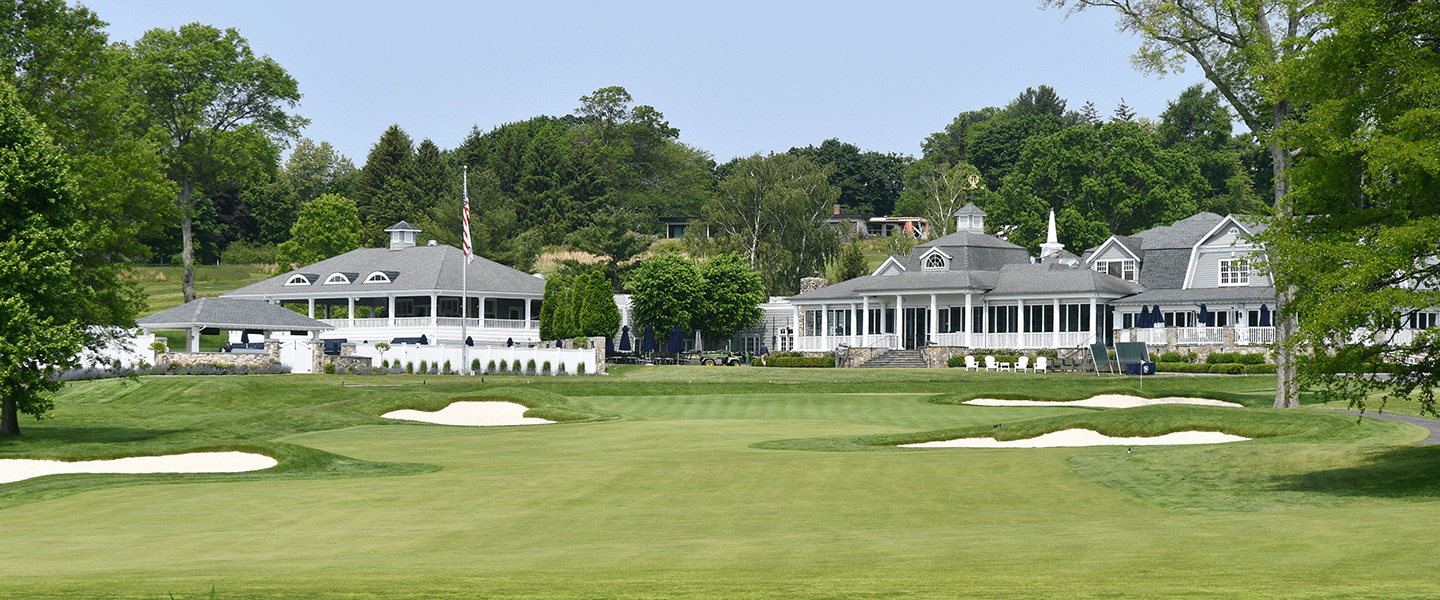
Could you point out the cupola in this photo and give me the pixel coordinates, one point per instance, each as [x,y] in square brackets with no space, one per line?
[402,235]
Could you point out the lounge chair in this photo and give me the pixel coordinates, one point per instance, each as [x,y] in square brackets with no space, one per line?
[1022,364]
[970,364]
[990,364]
[1039,365]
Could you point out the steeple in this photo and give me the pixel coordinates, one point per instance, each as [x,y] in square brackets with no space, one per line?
[1052,246]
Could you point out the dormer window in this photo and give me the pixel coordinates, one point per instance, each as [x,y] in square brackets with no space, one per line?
[378,277]
[1234,271]
[299,279]
[1122,269]
[336,279]
[934,261]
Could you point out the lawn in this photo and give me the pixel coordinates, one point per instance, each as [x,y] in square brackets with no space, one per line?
[162,284]
[676,482]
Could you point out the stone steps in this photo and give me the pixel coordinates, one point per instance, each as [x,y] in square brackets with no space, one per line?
[897,359]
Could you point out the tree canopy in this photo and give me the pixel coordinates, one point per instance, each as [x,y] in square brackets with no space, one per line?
[328,226]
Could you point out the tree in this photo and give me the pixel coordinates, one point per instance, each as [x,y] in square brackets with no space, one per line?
[43,306]
[666,291]
[772,210]
[731,298]
[1361,251]
[1237,44]
[1196,123]
[937,192]
[596,312]
[382,194]
[328,226]
[869,182]
[316,169]
[610,238]
[851,263]
[215,104]
[495,231]
[951,145]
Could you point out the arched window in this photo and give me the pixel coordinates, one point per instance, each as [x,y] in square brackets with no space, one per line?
[298,279]
[934,261]
[378,277]
[335,278]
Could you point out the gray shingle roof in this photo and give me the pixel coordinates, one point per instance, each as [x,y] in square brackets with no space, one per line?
[402,226]
[416,269]
[1164,268]
[973,252]
[231,313]
[1196,296]
[970,209]
[1184,233]
[1059,278]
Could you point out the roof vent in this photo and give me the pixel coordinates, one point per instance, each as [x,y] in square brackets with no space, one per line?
[432,243]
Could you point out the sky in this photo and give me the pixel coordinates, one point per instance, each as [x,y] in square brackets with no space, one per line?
[735,77]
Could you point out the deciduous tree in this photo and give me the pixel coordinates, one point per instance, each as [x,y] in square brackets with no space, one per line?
[328,226]
[731,298]
[666,292]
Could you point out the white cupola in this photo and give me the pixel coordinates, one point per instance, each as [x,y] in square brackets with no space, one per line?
[402,235]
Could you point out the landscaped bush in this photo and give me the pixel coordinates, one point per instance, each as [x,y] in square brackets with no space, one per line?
[385,364]
[424,367]
[410,367]
[1260,369]
[446,370]
[329,368]
[955,361]
[1235,358]
[802,361]
[515,366]
[489,368]
[475,365]
[545,368]
[1181,367]
[1228,368]
[1176,357]
[111,372]
[580,369]
[561,369]
[1049,353]
[530,366]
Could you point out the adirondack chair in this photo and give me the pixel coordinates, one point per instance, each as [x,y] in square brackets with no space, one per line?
[1101,355]
[1039,365]
[970,364]
[1022,364]
[990,363]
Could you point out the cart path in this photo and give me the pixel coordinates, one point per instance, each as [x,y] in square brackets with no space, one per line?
[1431,425]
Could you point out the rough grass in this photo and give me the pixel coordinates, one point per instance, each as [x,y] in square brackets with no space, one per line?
[669,489]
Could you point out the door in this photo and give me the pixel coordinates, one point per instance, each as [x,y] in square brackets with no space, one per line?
[917,328]
[296,355]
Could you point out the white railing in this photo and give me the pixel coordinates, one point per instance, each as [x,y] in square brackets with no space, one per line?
[369,322]
[1149,335]
[1254,336]
[813,343]
[954,338]
[511,324]
[881,340]
[413,322]
[1200,335]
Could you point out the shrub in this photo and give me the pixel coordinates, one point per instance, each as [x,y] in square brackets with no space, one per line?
[240,252]
[1250,359]
[955,361]
[446,370]
[1181,367]
[1171,357]
[475,365]
[580,369]
[424,367]
[515,366]
[1049,353]
[803,361]
[410,367]
[329,368]
[1260,369]
[489,368]
[1228,368]
[385,364]
[545,368]
[561,369]
[530,366]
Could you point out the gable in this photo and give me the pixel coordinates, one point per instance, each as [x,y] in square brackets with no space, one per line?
[1112,249]
[891,266]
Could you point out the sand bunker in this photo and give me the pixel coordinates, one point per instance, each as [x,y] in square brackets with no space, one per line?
[1106,401]
[1085,437]
[471,414]
[16,469]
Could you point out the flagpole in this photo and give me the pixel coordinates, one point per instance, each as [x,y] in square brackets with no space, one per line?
[465,270]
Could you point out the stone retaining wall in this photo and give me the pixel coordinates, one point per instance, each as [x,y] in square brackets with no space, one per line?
[854,357]
[227,359]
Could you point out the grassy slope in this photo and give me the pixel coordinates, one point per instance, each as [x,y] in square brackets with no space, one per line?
[677,500]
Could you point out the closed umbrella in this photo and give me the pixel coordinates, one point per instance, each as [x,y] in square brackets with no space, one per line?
[609,346]
[1204,315]
[677,340]
[1155,314]
[1264,316]
[1144,319]
[625,338]
[647,344]
[244,337]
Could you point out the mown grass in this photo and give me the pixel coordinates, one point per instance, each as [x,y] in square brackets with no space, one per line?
[671,489]
[163,285]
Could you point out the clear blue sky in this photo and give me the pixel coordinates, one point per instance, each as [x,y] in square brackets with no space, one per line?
[735,77]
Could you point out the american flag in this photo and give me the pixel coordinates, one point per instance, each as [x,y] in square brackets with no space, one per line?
[465,191]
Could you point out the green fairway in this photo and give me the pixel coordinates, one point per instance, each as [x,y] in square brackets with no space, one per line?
[716,483]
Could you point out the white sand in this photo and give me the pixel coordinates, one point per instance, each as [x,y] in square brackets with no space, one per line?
[471,414]
[1106,401]
[1085,437]
[16,469]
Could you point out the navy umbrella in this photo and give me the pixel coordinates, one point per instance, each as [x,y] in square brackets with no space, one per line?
[609,346]
[1204,315]
[1264,316]
[1143,320]
[244,337]
[625,338]
[648,343]
[1155,314]
[677,340]
[509,342]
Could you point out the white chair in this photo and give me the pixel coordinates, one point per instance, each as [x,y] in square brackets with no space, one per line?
[990,363]
[1022,364]
[1039,365]
[970,364]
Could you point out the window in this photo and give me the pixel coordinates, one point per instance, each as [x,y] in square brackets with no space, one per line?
[935,261]
[1181,319]
[1423,320]
[1039,318]
[378,277]
[1234,271]
[298,279]
[1074,317]
[336,278]
[1123,269]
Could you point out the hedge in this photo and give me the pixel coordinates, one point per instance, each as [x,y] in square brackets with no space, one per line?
[1181,367]
[1260,369]
[1234,358]
[1222,368]
[802,361]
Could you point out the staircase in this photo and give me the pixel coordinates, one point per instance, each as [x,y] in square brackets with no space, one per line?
[897,359]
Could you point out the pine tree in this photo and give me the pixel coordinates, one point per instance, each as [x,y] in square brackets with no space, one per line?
[1123,113]
[381,186]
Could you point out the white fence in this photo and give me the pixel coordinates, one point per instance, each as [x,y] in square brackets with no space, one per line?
[437,355]
[128,351]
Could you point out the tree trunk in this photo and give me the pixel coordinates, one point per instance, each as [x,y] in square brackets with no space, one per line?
[9,418]
[1287,388]
[187,249]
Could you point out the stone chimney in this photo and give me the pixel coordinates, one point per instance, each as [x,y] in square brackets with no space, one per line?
[810,284]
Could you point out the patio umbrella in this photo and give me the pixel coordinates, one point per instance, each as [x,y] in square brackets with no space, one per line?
[509,342]
[609,346]
[1204,315]
[1144,318]
[1264,316]
[469,341]
[625,338]
[677,340]
[648,343]
[1155,314]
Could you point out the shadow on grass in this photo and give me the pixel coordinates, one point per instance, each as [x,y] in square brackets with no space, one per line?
[35,435]
[1403,472]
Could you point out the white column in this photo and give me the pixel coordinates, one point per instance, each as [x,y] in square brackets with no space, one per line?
[794,327]
[969,316]
[1020,327]
[194,339]
[985,321]
[1055,331]
[480,310]
[865,321]
[1094,325]
[851,325]
[434,308]
[824,327]
[390,312]
[899,321]
[934,319]
[527,313]
[350,313]
[312,308]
